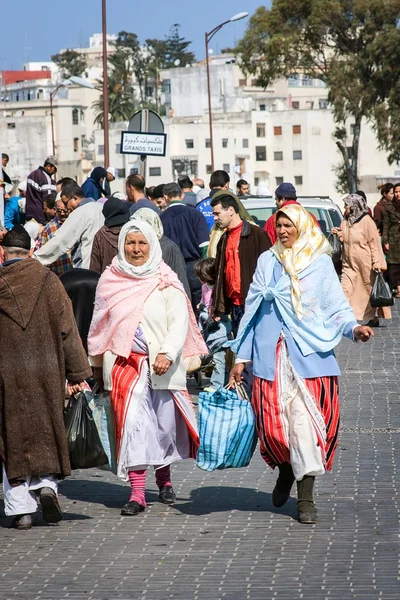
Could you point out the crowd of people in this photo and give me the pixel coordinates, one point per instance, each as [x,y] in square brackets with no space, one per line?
[130,288]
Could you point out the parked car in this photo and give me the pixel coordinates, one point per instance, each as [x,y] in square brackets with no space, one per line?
[327,212]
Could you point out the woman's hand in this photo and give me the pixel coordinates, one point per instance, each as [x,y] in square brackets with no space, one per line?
[335,230]
[235,376]
[74,388]
[161,364]
[362,333]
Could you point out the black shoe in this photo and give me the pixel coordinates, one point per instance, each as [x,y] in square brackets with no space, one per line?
[167,495]
[50,507]
[373,323]
[22,522]
[306,512]
[281,492]
[132,508]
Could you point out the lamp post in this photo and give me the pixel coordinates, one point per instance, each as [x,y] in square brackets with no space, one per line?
[105,87]
[74,80]
[208,37]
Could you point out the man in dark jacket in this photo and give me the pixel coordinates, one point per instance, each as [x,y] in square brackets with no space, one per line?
[105,243]
[40,183]
[4,162]
[93,186]
[34,367]
[237,254]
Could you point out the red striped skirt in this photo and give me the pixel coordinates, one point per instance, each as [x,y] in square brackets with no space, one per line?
[271,422]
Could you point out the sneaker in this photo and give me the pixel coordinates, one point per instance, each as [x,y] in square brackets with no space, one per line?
[50,507]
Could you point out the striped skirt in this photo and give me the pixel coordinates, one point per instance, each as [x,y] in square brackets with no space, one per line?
[297,419]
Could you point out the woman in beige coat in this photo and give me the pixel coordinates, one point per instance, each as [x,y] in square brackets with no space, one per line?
[362,259]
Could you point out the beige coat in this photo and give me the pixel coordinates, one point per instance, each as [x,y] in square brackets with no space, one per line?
[362,252]
[165,323]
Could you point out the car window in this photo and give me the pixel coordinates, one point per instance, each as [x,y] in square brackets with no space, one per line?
[336,219]
[261,214]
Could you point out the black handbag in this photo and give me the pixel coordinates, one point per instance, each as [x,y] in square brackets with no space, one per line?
[336,246]
[381,294]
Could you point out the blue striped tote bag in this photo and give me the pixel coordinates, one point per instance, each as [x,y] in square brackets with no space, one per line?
[227,430]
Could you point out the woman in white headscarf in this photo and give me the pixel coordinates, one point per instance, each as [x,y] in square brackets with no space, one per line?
[296,313]
[142,329]
[362,259]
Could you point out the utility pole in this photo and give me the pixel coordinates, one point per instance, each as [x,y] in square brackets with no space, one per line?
[105,87]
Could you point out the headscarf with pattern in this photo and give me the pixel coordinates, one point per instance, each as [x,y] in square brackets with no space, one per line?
[358,206]
[309,245]
[151,217]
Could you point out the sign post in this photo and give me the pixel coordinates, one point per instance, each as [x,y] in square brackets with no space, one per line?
[145,137]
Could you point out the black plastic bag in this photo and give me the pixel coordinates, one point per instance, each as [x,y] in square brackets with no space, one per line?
[336,246]
[381,294]
[84,445]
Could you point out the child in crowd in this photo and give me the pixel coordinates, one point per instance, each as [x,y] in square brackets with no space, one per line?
[215,333]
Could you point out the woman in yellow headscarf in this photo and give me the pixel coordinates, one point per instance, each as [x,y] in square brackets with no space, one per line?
[296,313]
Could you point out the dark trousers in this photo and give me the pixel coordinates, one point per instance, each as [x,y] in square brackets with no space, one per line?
[194,284]
[237,312]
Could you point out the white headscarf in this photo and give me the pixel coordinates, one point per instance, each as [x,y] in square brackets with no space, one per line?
[151,217]
[152,266]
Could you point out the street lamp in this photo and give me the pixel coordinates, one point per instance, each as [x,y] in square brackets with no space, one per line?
[208,37]
[71,80]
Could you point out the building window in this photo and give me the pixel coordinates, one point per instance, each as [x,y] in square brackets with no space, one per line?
[260,130]
[82,115]
[100,150]
[263,107]
[278,130]
[245,143]
[225,142]
[83,141]
[76,144]
[323,103]
[256,181]
[226,167]
[134,171]
[296,129]
[208,169]
[242,82]
[278,155]
[155,171]
[75,116]
[310,104]
[261,153]
[297,154]
[189,144]
[295,104]
[208,143]
[254,82]
[121,173]
[10,125]
[298,179]
[278,180]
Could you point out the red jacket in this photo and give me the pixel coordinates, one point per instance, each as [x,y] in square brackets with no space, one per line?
[270,224]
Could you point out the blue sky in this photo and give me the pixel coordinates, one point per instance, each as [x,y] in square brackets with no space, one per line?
[34,29]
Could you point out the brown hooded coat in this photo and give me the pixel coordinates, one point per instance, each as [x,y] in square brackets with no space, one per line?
[40,349]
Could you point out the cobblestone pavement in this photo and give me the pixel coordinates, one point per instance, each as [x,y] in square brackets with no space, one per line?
[224,539]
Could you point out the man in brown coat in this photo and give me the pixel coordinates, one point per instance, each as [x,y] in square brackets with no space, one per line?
[41,350]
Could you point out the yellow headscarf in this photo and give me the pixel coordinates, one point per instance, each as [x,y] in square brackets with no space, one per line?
[309,245]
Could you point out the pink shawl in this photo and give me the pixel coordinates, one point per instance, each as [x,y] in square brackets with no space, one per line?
[119,308]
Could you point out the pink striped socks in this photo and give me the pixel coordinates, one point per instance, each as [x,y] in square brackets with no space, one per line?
[138,486]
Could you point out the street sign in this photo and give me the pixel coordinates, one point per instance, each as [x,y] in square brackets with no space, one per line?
[148,144]
[146,120]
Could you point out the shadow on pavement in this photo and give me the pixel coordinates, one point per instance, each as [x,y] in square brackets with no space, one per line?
[206,500]
[110,495]
[5,522]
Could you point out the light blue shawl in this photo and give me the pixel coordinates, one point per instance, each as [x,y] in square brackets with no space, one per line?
[326,309]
